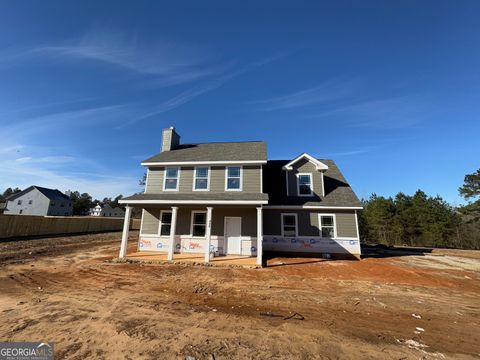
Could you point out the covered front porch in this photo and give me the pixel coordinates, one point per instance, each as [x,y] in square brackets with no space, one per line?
[217,233]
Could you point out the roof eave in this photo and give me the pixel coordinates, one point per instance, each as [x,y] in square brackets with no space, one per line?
[194,202]
[318,164]
[231,162]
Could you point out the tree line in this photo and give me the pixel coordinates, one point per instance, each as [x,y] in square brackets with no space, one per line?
[421,220]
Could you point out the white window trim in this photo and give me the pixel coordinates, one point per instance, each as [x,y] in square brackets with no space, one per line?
[298,184]
[323,184]
[192,217]
[160,223]
[335,236]
[146,181]
[296,223]
[165,178]
[195,178]
[241,178]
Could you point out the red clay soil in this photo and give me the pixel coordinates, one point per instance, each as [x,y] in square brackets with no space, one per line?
[71,291]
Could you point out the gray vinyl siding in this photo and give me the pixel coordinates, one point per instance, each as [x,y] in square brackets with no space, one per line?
[308,222]
[39,204]
[346,226]
[151,216]
[150,221]
[304,166]
[251,179]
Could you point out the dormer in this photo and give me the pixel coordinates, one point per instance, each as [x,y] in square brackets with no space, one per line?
[304,176]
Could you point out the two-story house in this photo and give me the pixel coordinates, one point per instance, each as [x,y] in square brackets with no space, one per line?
[37,200]
[227,198]
[105,210]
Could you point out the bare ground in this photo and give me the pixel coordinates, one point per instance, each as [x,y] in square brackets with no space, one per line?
[68,290]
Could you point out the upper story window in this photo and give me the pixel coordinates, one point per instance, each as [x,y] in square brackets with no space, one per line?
[289,225]
[304,185]
[201,181]
[234,178]
[327,226]
[170,183]
[19,202]
[52,203]
[30,202]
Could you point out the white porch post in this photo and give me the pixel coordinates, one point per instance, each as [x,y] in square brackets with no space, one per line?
[259,236]
[126,227]
[208,233]
[173,227]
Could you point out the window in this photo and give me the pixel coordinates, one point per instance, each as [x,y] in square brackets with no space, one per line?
[62,204]
[170,182]
[165,223]
[52,203]
[234,178]
[21,211]
[289,225]
[201,180]
[199,223]
[19,202]
[327,226]
[30,202]
[304,184]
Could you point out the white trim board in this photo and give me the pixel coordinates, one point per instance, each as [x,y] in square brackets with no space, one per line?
[318,164]
[179,163]
[312,207]
[194,202]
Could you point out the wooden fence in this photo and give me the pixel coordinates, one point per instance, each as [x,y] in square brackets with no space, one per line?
[27,225]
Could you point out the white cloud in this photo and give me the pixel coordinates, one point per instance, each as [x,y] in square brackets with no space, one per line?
[169,62]
[326,92]
[25,173]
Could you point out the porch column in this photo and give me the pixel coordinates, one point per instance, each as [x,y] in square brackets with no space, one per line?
[208,233]
[126,227]
[259,236]
[173,227]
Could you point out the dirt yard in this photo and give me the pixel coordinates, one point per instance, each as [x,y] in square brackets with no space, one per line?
[68,290]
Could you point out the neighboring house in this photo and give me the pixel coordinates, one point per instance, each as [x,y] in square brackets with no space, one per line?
[2,207]
[36,200]
[107,210]
[228,198]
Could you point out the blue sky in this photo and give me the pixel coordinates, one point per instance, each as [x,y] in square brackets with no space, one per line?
[390,90]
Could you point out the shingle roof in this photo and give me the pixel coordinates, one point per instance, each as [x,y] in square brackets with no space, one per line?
[52,194]
[239,196]
[221,151]
[337,191]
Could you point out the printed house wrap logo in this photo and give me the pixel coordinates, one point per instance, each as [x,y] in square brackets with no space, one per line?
[26,351]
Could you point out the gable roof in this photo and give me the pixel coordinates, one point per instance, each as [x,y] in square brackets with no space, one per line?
[52,194]
[338,192]
[248,151]
[318,164]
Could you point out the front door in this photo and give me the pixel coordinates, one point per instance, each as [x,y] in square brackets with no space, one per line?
[233,235]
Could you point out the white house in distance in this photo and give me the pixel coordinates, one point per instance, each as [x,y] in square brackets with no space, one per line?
[107,211]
